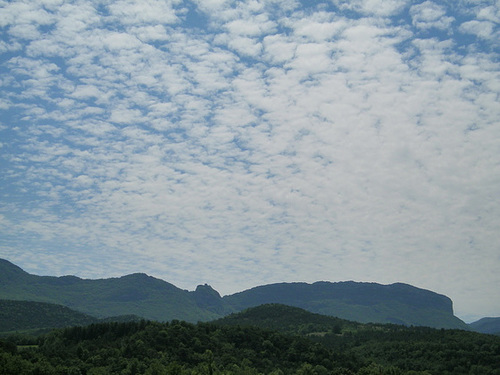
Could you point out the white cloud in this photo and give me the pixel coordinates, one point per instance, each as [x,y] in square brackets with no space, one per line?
[120,41]
[320,28]
[278,49]
[123,115]
[311,58]
[244,46]
[252,28]
[24,31]
[382,8]
[430,15]
[147,11]
[275,144]
[24,13]
[490,13]
[482,29]
[150,33]
[86,92]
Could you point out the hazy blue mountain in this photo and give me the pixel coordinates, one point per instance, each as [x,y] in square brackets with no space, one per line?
[486,325]
[155,299]
[137,294]
[363,302]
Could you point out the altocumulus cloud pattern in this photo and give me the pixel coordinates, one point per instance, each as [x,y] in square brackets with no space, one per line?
[248,142]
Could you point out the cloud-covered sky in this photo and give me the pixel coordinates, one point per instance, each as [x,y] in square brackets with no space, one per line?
[240,143]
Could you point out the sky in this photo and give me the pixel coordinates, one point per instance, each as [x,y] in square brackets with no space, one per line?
[242,143]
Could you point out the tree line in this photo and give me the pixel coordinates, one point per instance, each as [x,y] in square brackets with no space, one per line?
[180,348]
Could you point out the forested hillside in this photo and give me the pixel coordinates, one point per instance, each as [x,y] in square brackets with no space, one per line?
[439,351]
[290,320]
[320,346]
[36,317]
[28,315]
[170,348]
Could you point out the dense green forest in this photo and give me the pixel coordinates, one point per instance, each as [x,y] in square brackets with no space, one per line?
[298,343]
[26,315]
[39,317]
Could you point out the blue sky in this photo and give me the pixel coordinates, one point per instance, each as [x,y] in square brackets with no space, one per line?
[240,143]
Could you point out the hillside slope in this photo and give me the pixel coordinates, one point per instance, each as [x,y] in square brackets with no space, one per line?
[35,317]
[289,320]
[27,315]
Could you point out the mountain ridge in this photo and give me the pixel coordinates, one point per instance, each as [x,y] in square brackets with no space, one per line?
[363,302]
[487,325]
[156,299]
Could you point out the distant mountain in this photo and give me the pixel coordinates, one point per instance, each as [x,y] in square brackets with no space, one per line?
[136,294]
[362,302]
[29,316]
[155,299]
[486,325]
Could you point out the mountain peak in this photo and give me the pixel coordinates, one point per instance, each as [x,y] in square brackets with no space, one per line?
[5,264]
[207,289]
[10,273]
[208,298]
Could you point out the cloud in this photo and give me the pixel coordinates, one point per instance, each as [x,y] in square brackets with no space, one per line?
[373,7]
[270,142]
[253,27]
[430,15]
[320,27]
[482,29]
[490,13]
[27,14]
[278,49]
[150,11]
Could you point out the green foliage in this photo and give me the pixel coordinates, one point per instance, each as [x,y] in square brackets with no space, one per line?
[33,318]
[421,349]
[237,345]
[391,347]
[27,315]
[176,347]
[289,319]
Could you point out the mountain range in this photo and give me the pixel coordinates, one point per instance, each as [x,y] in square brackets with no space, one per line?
[151,298]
